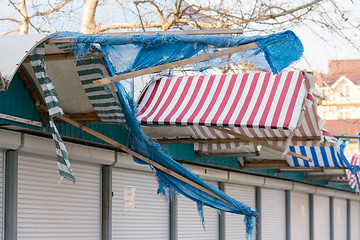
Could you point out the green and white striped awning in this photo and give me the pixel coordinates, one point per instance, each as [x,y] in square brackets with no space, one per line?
[36,58]
[101,98]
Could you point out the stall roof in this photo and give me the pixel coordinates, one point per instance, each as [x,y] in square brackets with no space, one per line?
[14,50]
[258,105]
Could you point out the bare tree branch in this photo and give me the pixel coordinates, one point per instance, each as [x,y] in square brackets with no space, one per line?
[50,11]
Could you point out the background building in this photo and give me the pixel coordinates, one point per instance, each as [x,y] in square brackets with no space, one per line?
[340,106]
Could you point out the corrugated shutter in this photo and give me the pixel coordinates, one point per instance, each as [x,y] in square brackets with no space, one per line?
[321,218]
[234,223]
[300,220]
[150,218]
[1,191]
[51,211]
[355,220]
[340,222]
[273,214]
[190,226]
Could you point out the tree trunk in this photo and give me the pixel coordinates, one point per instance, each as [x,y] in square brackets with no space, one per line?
[24,24]
[88,17]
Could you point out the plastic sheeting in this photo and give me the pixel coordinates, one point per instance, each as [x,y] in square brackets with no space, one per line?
[131,53]
[142,145]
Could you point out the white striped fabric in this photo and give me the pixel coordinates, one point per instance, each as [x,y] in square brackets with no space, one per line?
[65,47]
[63,160]
[258,105]
[353,178]
[321,156]
[101,98]
[256,100]
[38,64]
[202,132]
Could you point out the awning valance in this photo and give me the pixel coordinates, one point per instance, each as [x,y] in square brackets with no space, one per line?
[256,100]
[258,105]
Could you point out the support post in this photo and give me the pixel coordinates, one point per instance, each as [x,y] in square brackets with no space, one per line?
[258,209]
[348,219]
[311,215]
[11,194]
[106,220]
[173,212]
[288,214]
[331,218]
[222,216]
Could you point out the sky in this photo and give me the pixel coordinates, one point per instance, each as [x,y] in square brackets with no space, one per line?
[316,55]
[317,52]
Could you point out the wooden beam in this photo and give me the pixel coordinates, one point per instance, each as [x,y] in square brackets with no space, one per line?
[186,32]
[176,64]
[84,117]
[265,144]
[348,136]
[266,164]
[165,141]
[141,157]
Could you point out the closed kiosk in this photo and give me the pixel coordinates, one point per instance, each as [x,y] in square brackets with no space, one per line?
[190,226]
[273,214]
[299,220]
[234,223]
[321,217]
[355,219]
[138,212]
[53,211]
[340,219]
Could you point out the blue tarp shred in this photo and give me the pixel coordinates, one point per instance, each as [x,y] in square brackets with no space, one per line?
[129,53]
[141,144]
[279,50]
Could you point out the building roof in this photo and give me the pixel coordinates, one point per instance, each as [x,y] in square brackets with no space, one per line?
[349,126]
[338,68]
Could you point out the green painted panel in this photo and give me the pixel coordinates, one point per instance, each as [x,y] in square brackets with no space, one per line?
[116,132]
[16,101]
[186,152]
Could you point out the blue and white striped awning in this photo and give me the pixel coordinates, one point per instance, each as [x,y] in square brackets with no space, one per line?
[322,156]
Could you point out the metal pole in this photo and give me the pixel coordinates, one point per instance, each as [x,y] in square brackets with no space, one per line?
[222,216]
[106,219]
[331,218]
[311,215]
[173,212]
[348,219]
[287,215]
[11,195]
[258,209]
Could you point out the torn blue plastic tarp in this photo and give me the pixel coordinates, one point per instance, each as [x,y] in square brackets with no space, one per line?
[141,144]
[131,53]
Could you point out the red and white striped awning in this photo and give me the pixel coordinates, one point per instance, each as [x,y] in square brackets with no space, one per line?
[258,105]
[255,100]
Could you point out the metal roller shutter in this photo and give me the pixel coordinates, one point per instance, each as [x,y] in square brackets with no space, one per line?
[146,216]
[321,218]
[300,219]
[340,219]
[273,214]
[190,226]
[234,223]
[51,211]
[1,191]
[355,220]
